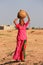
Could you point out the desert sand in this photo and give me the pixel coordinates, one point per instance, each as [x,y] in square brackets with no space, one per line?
[34,49]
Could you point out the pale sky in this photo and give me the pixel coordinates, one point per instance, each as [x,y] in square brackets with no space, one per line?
[9,9]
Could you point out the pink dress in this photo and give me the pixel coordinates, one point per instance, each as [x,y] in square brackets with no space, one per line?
[18,55]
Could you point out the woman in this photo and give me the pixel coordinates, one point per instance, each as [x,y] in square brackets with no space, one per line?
[19,53]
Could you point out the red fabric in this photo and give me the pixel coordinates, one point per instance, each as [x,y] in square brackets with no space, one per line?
[22,31]
[17,25]
[25,46]
[18,55]
[26,24]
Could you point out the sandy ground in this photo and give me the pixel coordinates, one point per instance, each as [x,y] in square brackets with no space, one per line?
[34,49]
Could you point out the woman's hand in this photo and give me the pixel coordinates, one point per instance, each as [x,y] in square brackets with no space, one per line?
[15,21]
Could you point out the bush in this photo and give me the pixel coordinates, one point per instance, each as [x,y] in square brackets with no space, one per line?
[33,27]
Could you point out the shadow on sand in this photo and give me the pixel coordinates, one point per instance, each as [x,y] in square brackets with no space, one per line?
[10,62]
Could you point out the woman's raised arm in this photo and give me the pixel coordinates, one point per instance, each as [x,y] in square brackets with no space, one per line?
[28,20]
[28,17]
[15,20]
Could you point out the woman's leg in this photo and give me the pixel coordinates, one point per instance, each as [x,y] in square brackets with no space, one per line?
[22,54]
[23,49]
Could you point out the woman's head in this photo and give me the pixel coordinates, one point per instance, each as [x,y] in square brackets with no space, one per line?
[21,21]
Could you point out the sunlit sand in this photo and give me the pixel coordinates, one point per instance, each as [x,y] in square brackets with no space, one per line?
[34,49]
